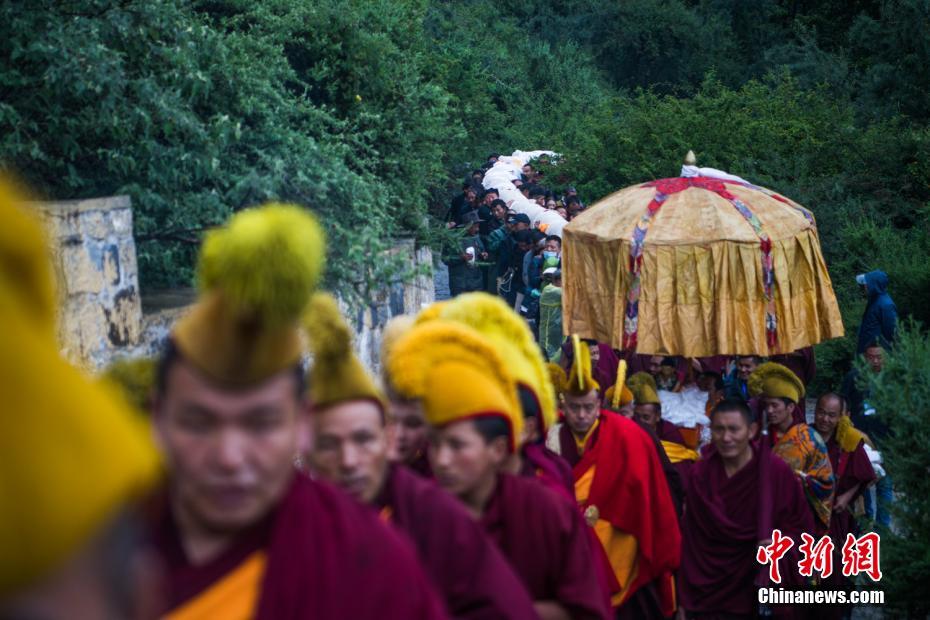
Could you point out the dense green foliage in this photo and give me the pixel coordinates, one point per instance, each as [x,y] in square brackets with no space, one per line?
[370,112]
[901,394]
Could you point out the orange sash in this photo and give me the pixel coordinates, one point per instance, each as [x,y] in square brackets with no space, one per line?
[234,597]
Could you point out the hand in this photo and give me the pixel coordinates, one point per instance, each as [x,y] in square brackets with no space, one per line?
[841,504]
[483,255]
[450,224]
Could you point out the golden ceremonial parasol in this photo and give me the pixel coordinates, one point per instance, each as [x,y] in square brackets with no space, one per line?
[698,265]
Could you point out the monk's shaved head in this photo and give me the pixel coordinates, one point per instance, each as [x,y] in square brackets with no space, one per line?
[734,405]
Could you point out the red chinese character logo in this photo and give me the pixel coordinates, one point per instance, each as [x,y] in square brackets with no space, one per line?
[817,556]
[770,554]
[861,556]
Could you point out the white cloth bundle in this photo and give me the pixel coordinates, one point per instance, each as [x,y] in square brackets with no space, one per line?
[500,177]
[685,409]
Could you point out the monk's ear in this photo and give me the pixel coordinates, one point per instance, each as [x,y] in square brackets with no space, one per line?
[753,430]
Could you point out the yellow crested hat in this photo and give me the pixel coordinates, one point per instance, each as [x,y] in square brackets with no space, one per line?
[506,331]
[71,452]
[773,380]
[557,377]
[580,380]
[619,394]
[135,378]
[456,374]
[256,276]
[394,330]
[337,375]
[431,311]
[643,387]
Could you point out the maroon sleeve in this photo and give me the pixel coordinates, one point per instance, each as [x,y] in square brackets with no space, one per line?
[578,589]
[859,469]
[470,572]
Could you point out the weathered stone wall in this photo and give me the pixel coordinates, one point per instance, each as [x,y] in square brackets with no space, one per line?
[102,317]
[94,255]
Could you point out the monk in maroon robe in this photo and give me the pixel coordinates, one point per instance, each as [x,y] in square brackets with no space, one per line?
[738,493]
[243,535]
[854,474]
[305,560]
[351,449]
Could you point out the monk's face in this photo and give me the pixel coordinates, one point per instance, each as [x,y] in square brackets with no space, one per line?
[350,448]
[730,432]
[230,452]
[463,461]
[581,412]
[827,415]
[648,414]
[411,434]
[778,412]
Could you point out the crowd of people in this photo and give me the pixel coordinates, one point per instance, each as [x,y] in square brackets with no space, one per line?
[505,253]
[481,475]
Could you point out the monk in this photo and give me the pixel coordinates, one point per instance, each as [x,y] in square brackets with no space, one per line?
[854,474]
[471,402]
[615,468]
[509,334]
[408,428]
[241,534]
[73,457]
[738,493]
[799,445]
[648,411]
[350,449]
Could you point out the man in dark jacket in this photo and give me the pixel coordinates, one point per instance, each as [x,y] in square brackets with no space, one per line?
[881,316]
[464,272]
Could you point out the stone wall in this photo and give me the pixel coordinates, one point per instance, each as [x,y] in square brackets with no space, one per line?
[101,314]
[94,255]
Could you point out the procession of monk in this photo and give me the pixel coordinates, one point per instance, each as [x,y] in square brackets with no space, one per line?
[264,472]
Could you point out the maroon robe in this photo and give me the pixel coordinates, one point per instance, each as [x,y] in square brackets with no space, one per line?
[549,468]
[327,557]
[723,525]
[851,469]
[544,537]
[420,464]
[469,571]
[670,432]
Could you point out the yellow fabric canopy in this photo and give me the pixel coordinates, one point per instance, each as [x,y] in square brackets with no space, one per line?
[679,267]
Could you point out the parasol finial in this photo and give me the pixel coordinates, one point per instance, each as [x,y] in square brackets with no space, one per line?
[690,158]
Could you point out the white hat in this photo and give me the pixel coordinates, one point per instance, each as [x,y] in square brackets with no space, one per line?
[860,279]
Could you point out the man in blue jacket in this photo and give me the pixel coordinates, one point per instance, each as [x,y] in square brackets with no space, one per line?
[881,315]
